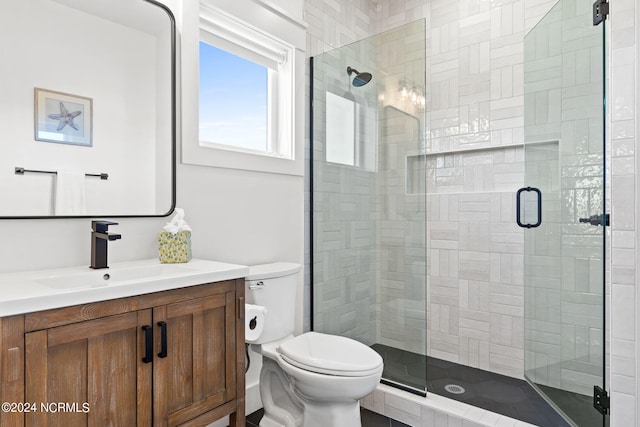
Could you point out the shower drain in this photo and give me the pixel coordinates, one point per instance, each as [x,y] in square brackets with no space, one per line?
[454,389]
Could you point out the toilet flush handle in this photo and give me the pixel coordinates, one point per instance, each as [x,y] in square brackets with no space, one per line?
[255,286]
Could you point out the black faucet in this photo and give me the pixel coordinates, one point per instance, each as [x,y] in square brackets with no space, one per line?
[99,239]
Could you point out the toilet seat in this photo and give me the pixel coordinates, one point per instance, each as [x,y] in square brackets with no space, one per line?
[330,355]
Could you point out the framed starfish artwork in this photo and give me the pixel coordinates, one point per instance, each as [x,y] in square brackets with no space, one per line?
[63,118]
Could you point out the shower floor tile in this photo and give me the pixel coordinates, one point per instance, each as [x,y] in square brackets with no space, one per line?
[494,392]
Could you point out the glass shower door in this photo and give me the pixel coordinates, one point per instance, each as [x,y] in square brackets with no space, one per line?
[562,208]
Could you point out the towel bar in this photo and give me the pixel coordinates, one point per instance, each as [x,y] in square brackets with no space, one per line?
[21,171]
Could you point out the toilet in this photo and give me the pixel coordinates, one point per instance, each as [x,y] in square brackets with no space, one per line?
[313,379]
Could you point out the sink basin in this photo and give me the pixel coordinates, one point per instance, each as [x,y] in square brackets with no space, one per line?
[30,291]
[115,276]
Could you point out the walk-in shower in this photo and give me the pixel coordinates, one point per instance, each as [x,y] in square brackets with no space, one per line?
[416,250]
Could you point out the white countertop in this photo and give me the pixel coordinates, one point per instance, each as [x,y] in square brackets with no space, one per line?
[29,291]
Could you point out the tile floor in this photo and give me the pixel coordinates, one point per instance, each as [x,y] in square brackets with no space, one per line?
[369,419]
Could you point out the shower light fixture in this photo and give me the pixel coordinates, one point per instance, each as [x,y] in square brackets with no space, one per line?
[409,91]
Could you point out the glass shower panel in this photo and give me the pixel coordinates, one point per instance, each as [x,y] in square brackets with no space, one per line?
[368,196]
[344,195]
[563,258]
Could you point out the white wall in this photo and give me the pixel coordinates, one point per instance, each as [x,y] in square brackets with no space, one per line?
[253,217]
[624,299]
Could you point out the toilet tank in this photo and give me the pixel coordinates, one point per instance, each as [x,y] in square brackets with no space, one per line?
[274,286]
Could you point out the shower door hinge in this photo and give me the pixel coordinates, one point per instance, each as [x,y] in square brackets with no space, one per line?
[601,400]
[600,11]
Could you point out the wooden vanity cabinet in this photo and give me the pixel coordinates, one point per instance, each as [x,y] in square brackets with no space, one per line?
[171,358]
[94,366]
[198,373]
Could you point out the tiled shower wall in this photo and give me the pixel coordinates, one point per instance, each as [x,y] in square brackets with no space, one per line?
[345,201]
[475,133]
[563,266]
[400,191]
[331,24]
[475,289]
[475,122]
[369,241]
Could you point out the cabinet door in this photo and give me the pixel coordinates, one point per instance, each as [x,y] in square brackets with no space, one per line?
[89,373]
[198,373]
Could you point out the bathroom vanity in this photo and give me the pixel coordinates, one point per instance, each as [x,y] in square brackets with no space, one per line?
[164,350]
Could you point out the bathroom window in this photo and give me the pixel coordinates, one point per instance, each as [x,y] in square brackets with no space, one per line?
[246,88]
[233,101]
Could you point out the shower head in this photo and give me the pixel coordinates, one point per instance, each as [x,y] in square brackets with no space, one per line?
[360,79]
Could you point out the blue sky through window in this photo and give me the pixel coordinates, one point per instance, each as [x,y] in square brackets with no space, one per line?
[233,99]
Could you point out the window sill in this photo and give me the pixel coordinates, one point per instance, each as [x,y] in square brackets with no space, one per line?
[197,154]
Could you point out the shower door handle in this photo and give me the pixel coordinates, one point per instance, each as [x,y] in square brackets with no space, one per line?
[519,205]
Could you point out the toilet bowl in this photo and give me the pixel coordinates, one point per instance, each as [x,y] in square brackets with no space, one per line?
[313,379]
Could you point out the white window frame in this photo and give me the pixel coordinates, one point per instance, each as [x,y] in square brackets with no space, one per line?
[264,40]
[230,34]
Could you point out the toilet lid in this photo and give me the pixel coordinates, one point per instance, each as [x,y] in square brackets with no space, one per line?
[330,354]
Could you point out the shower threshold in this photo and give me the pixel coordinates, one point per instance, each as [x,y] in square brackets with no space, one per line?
[487,390]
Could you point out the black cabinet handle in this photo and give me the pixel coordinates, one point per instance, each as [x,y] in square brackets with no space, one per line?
[148,344]
[163,339]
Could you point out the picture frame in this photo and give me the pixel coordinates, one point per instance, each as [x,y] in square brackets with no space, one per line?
[63,118]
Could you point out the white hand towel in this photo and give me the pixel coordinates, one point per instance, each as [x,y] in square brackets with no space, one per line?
[70,193]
